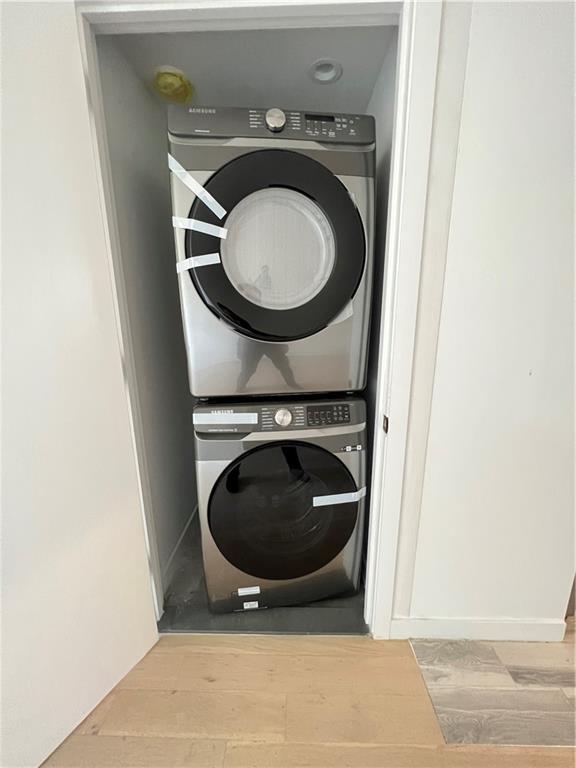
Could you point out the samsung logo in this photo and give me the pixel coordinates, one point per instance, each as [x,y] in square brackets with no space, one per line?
[202,110]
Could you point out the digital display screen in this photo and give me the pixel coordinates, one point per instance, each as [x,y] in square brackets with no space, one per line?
[327,414]
[321,118]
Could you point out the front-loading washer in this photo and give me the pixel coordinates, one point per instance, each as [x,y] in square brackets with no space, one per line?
[281,495]
[274,229]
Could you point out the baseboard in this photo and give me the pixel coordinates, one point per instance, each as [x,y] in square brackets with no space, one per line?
[547,630]
[169,568]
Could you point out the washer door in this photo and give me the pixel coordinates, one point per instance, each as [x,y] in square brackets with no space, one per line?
[262,516]
[295,250]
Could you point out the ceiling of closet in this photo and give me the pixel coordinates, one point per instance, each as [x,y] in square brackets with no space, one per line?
[267,67]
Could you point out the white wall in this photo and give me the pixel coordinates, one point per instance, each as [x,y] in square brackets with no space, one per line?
[145,269]
[77,609]
[450,79]
[494,548]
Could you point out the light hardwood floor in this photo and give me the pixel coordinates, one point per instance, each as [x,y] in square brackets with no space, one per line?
[238,701]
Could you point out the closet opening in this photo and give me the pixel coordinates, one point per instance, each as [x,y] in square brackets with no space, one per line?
[324,74]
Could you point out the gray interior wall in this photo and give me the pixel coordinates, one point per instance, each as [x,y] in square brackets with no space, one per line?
[136,133]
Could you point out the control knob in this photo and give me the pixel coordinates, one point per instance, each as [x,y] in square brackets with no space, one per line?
[283,417]
[275,120]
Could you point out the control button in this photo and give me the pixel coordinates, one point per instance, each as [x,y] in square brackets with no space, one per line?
[283,417]
[275,119]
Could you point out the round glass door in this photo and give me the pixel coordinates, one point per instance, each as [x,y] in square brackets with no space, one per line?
[295,249]
[262,516]
[280,248]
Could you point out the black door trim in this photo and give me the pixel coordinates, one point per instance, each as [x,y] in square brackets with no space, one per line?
[261,513]
[280,168]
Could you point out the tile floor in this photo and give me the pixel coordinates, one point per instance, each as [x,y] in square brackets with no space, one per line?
[501,692]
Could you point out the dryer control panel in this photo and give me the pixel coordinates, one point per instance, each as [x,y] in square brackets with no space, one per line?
[271,123]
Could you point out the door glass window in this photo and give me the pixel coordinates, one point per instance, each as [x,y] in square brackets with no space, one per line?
[261,512]
[280,248]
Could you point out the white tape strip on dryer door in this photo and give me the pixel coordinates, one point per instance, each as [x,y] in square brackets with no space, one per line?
[195,187]
[346,313]
[338,498]
[225,418]
[199,226]
[197,261]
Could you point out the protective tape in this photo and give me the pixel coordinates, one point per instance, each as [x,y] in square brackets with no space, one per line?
[197,261]
[346,313]
[199,226]
[225,418]
[195,187]
[338,498]
[245,591]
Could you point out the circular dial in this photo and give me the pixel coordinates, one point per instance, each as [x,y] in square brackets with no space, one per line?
[275,119]
[283,417]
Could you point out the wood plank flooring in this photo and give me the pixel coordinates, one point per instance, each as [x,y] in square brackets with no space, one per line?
[502,693]
[238,701]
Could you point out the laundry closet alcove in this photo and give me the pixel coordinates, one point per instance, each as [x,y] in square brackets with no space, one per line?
[255,59]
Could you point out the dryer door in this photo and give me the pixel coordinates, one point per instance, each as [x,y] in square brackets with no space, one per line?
[294,252]
[270,512]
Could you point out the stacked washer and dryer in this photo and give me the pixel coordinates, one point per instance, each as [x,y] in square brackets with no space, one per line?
[274,226]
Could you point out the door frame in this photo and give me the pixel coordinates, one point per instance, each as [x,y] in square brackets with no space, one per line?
[419,25]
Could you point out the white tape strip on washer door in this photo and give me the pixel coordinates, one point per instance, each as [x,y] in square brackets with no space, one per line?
[338,498]
[195,187]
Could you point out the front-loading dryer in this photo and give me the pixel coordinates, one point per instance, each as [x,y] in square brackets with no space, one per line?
[274,228]
[281,494]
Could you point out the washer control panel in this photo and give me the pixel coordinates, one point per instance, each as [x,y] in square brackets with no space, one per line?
[271,123]
[275,417]
[275,120]
[283,417]
[323,415]
[279,416]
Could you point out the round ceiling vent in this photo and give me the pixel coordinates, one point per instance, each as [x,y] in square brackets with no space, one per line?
[326,71]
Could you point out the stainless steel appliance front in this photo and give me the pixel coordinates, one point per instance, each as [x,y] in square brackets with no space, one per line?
[284,304]
[281,495]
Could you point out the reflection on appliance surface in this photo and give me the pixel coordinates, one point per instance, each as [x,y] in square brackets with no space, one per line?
[250,353]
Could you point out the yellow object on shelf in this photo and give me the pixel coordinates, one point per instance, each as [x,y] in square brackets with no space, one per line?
[173,85]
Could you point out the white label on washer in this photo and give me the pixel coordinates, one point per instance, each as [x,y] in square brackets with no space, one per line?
[197,261]
[245,591]
[194,186]
[338,498]
[181,222]
[225,418]
[251,604]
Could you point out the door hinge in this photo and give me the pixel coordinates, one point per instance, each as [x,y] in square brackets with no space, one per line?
[385,424]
